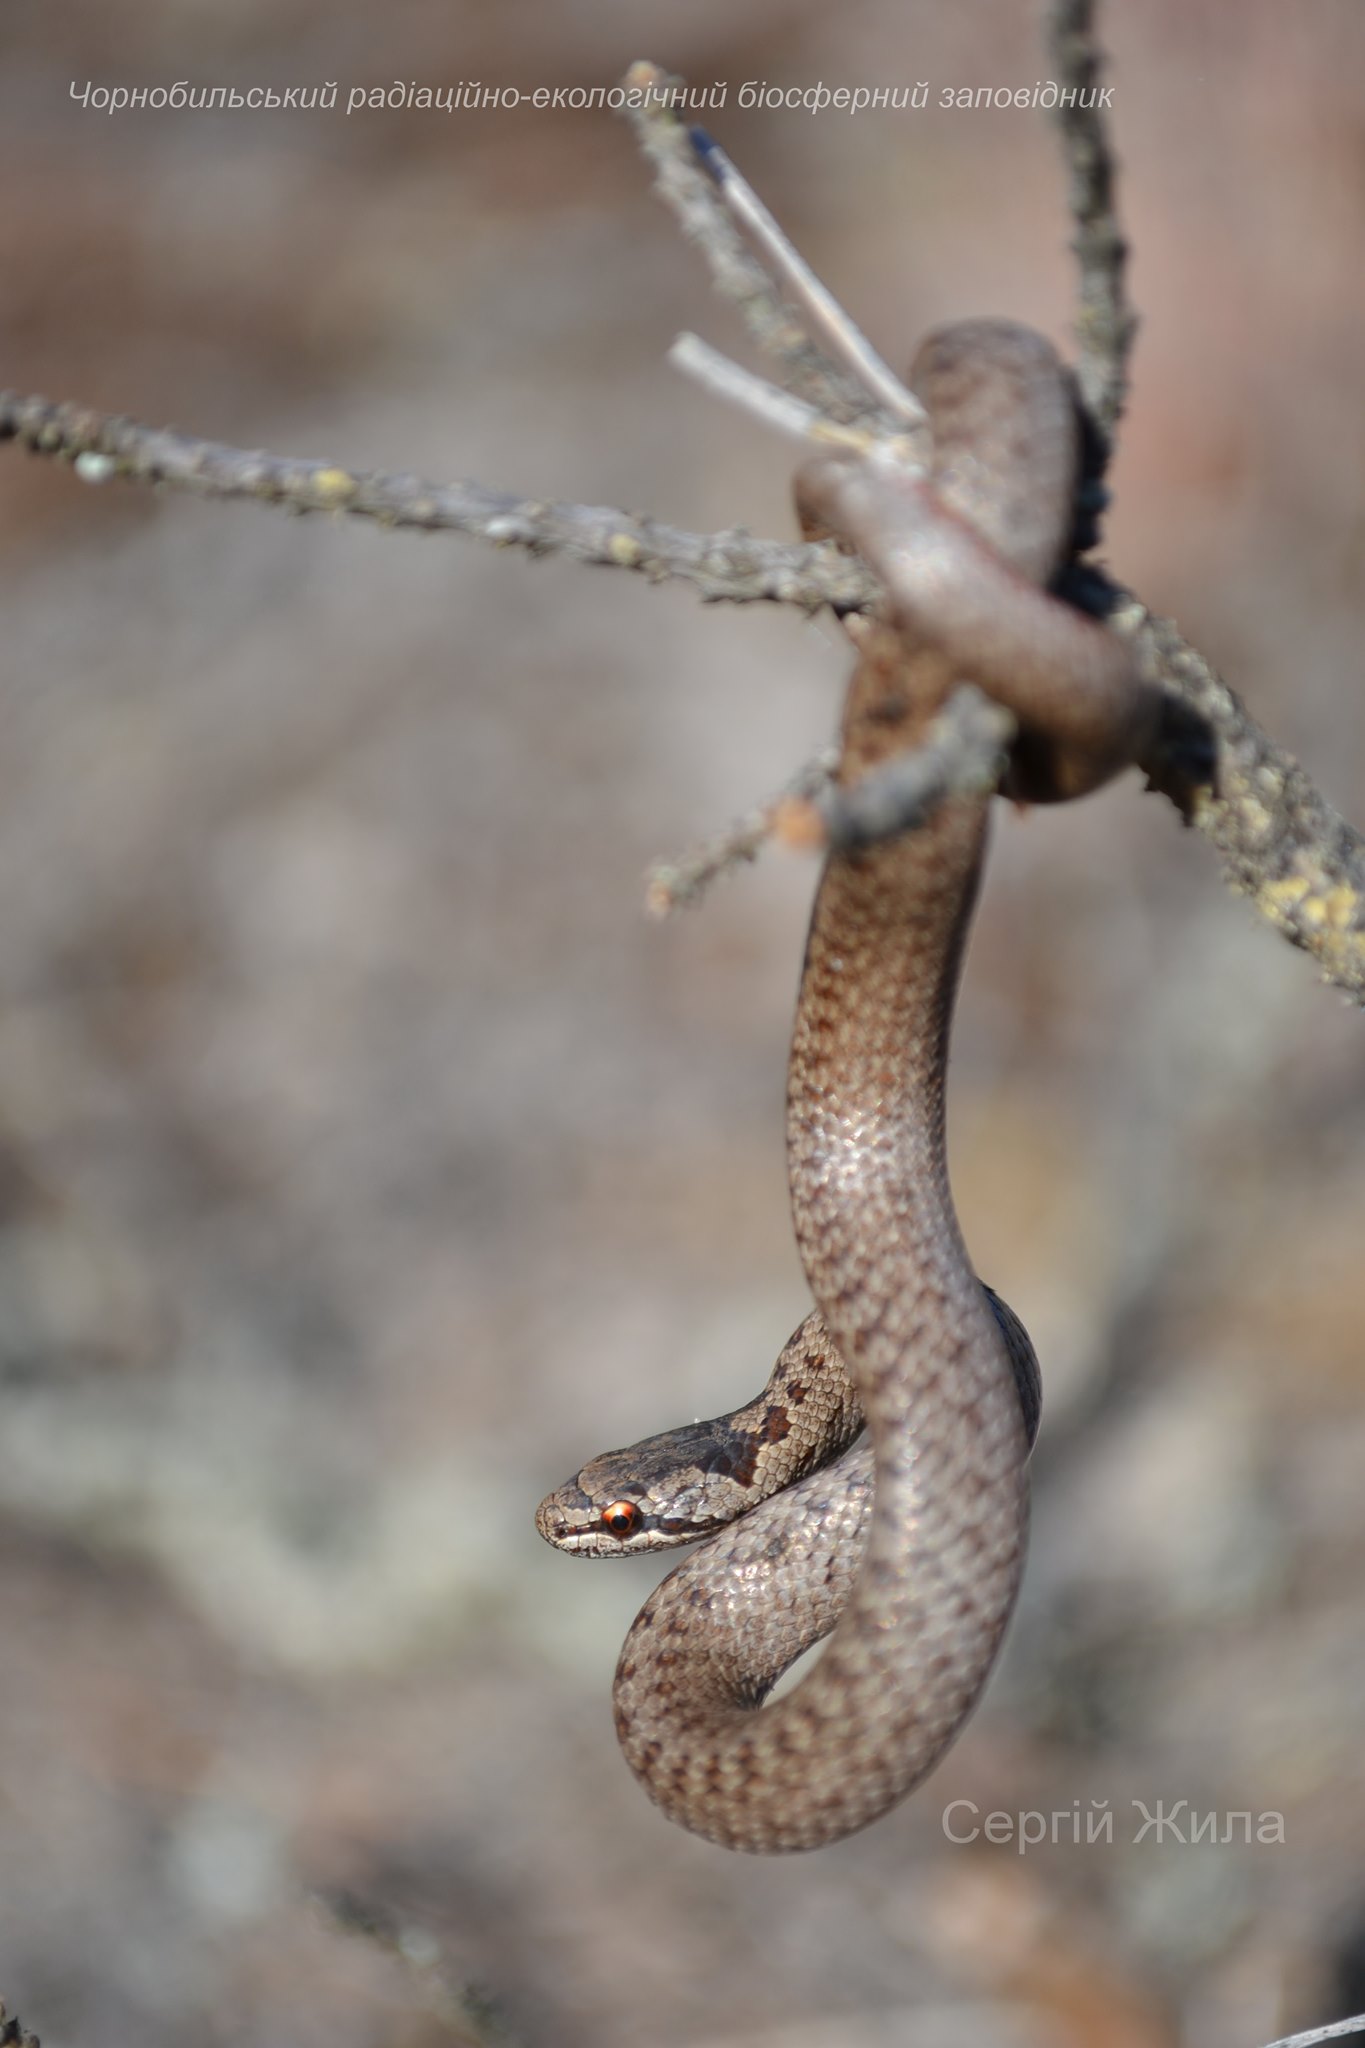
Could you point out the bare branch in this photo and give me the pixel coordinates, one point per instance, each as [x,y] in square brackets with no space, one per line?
[739,387]
[1279,840]
[963,754]
[1105,324]
[823,317]
[721,378]
[731,567]
[464,2009]
[1340,2030]
[695,202]
[681,884]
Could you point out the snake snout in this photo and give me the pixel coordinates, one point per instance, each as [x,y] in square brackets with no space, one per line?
[551,1520]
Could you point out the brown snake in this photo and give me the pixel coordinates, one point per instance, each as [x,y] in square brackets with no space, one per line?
[910,1548]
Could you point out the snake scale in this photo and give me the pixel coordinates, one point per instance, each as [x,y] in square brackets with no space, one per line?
[907,1551]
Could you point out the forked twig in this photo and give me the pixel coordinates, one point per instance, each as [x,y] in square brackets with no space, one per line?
[824,318]
[692,197]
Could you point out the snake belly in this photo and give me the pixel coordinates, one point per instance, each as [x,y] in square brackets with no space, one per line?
[910,1548]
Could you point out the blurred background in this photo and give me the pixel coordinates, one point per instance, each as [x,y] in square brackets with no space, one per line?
[368,1159]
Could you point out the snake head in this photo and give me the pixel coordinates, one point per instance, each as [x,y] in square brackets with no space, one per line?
[669,1490]
[574,1522]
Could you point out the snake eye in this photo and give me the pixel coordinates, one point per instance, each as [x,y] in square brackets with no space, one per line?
[622,1518]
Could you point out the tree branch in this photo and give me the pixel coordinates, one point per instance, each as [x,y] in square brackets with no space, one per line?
[463,2008]
[729,567]
[736,276]
[681,884]
[1279,841]
[963,754]
[1105,324]
[1340,2030]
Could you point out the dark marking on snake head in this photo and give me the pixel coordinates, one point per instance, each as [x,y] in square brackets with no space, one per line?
[744,1465]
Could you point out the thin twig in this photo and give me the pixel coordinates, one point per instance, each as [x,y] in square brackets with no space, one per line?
[460,2006]
[731,567]
[1279,840]
[695,202]
[762,401]
[963,754]
[823,317]
[1105,325]
[1340,2030]
[680,884]
[721,378]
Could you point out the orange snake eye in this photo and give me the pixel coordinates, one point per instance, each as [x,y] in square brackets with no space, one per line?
[622,1517]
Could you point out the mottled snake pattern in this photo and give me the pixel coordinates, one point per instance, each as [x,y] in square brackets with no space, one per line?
[906,1550]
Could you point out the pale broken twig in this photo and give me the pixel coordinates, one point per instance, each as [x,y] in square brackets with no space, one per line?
[739,387]
[694,200]
[825,319]
[1339,2030]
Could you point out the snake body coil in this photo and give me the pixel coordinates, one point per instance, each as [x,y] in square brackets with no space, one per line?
[909,1548]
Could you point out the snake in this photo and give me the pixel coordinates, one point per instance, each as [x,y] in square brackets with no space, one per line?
[906,1548]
